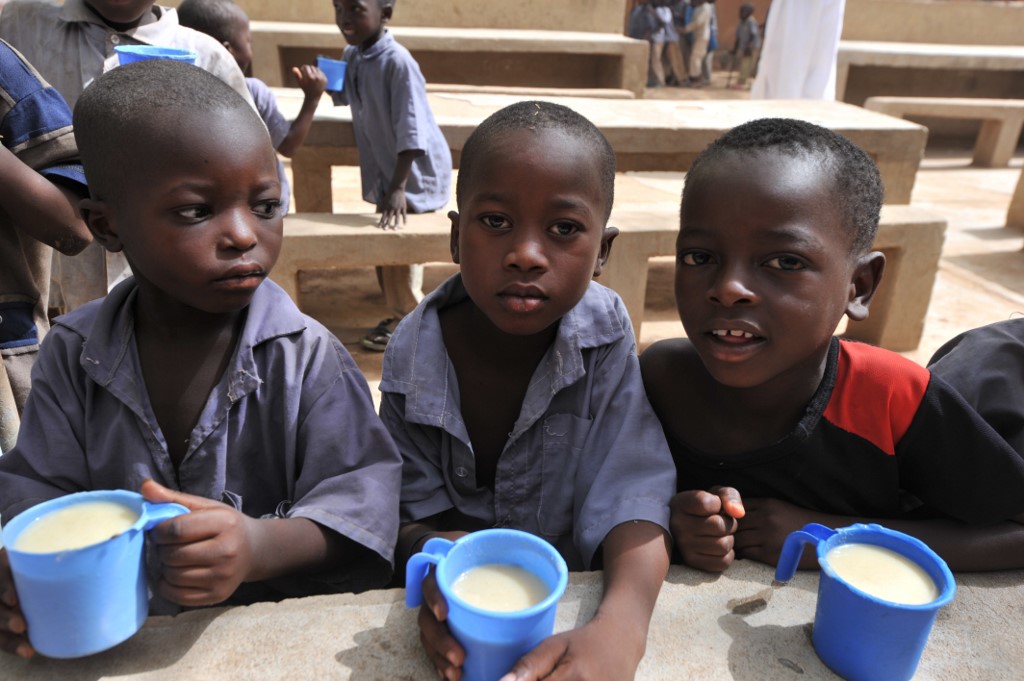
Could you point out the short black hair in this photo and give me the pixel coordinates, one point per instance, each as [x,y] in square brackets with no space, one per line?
[857,185]
[533,115]
[212,17]
[118,117]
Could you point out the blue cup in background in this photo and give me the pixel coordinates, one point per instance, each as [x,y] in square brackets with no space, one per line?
[493,640]
[126,54]
[334,69]
[81,601]
[859,636]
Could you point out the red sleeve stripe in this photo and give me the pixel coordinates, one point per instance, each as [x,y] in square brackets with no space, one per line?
[877,394]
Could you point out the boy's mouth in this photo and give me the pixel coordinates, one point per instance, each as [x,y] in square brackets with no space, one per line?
[735,337]
[522,298]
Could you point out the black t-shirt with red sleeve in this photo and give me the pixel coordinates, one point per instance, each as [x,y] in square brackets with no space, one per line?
[881,438]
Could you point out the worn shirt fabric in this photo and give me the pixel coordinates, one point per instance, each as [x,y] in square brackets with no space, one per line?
[278,127]
[881,438]
[986,366]
[71,46]
[35,124]
[390,114]
[289,430]
[586,453]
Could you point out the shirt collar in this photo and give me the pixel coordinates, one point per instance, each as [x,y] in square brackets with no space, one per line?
[75,11]
[379,47]
[417,366]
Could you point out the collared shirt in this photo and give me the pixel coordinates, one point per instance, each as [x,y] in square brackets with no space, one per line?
[586,454]
[35,124]
[289,430]
[391,114]
[71,46]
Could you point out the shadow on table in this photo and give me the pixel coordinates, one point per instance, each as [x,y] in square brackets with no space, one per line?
[388,652]
[769,651]
[160,644]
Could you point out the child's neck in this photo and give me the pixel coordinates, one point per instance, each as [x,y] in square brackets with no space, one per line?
[373,39]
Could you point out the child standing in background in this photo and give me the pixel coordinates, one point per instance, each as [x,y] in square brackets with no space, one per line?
[197,380]
[513,390]
[748,42]
[775,423]
[72,44]
[699,26]
[226,22]
[404,160]
[42,184]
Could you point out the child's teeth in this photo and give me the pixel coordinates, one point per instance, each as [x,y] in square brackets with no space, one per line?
[733,332]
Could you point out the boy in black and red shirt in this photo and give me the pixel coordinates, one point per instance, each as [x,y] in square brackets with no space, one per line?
[772,421]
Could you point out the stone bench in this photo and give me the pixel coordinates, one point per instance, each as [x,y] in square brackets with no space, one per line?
[970,59]
[646,134]
[1001,121]
[469,56]
[1015,215]
[910,237]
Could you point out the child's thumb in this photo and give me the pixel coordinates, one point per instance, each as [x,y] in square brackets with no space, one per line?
[153,491]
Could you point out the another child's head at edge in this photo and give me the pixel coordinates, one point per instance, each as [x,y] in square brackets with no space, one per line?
[362,22]
[182,178]
[534,192]
[777,221]
[222,20]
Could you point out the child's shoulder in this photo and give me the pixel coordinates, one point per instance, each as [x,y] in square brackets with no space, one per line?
[664,363]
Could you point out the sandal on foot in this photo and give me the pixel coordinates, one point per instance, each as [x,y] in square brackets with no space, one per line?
[377,338]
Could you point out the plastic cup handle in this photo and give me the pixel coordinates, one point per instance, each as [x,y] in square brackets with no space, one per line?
[157,513]
[432,552]
[793,548]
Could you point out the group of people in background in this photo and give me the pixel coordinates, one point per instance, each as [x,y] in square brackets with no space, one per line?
[683,35]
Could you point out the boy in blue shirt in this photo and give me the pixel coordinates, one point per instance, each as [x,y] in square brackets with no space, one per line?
[196,380]
[774,422]
[404,159]
[513,390]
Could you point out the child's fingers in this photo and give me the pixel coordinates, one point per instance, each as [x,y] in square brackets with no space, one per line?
[154,491]
[433,597]
[540,661]
[730,499]
[444,651]
[696,502]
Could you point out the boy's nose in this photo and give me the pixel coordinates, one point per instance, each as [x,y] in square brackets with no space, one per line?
[731,288]
[239,233]
[526,253]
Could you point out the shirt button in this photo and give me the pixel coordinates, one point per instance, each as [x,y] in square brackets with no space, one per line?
[461,472]
[115,39]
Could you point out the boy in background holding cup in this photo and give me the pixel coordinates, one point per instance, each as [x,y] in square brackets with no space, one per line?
[773,422]
[197,381]
[227,23]
[404,159]
[513,390]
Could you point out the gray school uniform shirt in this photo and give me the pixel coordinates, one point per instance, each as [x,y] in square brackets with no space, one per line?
[390,114]
[587,452]
[289,431]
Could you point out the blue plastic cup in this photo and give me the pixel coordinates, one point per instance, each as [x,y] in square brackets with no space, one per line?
[494,641]
[334,69]
[81,601]
[126,54]
[861,637]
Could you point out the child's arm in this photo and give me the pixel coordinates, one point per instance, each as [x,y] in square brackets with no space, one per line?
[208,553]
[611,645]
[393,206]
[13,638]
[312,81]
[704,525]
[964,547]
[45,211]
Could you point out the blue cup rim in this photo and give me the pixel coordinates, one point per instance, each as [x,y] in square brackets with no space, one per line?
[549,601]
[871,533]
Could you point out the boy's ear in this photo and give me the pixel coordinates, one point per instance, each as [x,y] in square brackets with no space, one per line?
[96,215]
[866,277]
[606,248]
[453,215]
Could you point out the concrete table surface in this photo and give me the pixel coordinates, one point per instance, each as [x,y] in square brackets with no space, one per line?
[646,134]
[731,626]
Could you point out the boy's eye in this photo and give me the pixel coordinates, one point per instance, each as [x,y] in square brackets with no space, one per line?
[194,213]
[693,258]
[495,221]
[786,262]
[267,209]
[564,228]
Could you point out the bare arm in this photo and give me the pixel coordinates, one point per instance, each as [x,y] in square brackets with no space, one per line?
[393,206]
[965,548]
[612,644]
[45,211]
[312,81]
